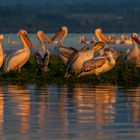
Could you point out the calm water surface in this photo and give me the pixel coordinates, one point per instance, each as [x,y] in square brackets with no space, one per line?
[72,40]
[79,112]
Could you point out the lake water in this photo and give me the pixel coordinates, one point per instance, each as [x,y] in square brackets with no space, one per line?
[69,112]
[72,40]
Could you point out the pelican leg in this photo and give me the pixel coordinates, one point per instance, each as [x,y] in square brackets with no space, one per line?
[67,75]
[98,77]
[46,69]
[126,71]
[19,69]
[135,69]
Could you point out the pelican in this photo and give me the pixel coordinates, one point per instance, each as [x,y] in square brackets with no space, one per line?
[100,36]
[115,40]
[76,60]
[42,56]
[98,65]
[2,54]
[84,40]
[132,57]
[126,40]
[11,42]
[62,51]
[16,60]
[93,40]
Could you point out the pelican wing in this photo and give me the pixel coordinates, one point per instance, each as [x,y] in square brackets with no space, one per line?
[16,59]
[65,51]
[13,54]
[85,48]
[93,63]
[72,49]
[42,59]
[72,58]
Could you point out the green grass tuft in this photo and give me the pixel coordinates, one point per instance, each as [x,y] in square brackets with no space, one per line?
[28,74]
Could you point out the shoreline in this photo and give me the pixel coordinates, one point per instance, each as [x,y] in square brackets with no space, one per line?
[28,74]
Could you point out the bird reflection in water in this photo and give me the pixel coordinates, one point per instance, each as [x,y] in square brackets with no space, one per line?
[96,106]
[1,111]
[63,107]
[43,99]
[21,108]
[52,107]
[133,97]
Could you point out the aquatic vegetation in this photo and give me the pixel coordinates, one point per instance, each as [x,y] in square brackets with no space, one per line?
[28,74]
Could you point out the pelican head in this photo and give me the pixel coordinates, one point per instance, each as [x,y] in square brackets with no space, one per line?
[42,36]
[100,35]
[1,37]
[135,35]
[124,37]
[24,37]
[63,31]
[99,45]
[22,32]
[135,39]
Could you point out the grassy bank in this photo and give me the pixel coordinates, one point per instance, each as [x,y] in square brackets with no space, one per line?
[28,74]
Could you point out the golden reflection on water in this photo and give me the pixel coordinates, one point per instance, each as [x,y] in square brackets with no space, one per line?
[1,111]
[63,106]
[96,106]
[97,102]
[68,106]
[20,99]
[43,97]
[134,99]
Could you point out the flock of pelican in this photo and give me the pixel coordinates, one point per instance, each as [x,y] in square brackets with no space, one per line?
[93,60]
[113,39]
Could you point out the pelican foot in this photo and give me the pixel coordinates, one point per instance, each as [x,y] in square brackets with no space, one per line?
[98,78]
[67,75]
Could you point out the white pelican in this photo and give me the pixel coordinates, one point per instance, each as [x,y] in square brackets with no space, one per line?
[126,40]
[100,36]
[132,57]
[42,56]
[98,65]
[12,42]
[62,51]
[84,40]
[16,60]
[115,40]
[93,40]
[76,60]
[2,54]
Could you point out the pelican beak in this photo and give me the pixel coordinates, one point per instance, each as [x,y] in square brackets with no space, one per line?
[57,35]
[28,41]
[1,37]
[104,38]
[45,38]
[135,39]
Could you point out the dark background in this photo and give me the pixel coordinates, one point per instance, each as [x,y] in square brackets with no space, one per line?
[78,15]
